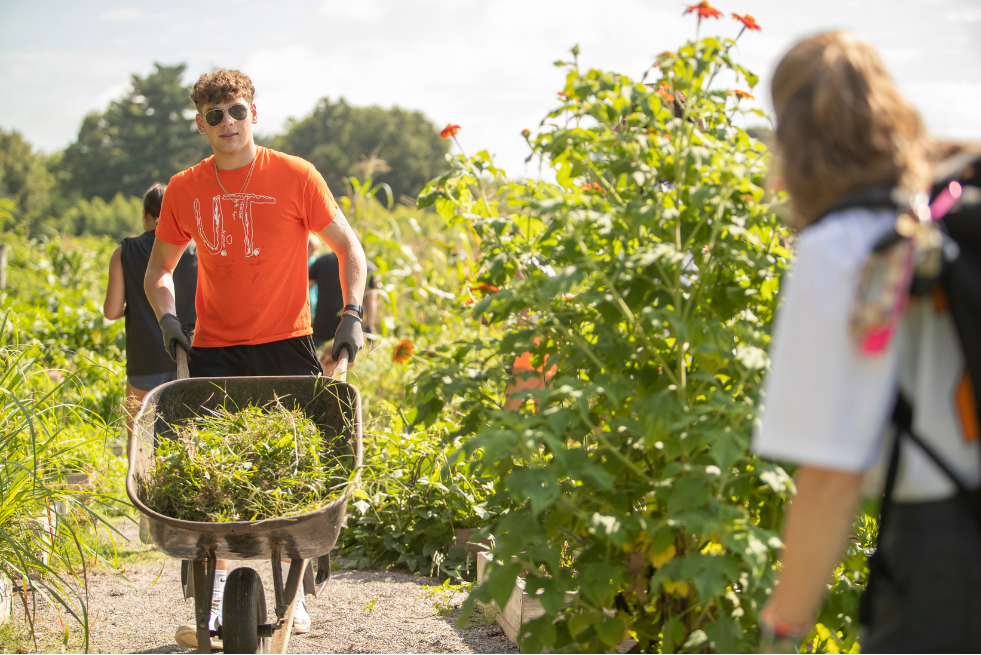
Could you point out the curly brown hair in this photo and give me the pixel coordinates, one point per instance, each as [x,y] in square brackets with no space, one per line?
[221,85]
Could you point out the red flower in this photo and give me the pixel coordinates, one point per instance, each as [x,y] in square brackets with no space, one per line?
[403,351]
[749,23]
[665,92]
[483,286]
[589,186]
[743,94]
[704,9]
[563,95]
[449,130]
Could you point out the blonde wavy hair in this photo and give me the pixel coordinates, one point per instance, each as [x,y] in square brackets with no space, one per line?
[843,125]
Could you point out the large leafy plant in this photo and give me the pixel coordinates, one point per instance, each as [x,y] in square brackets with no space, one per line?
[642,284]
[411,502]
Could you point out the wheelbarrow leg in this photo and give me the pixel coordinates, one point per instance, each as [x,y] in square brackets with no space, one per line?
[286,598]
[204,582]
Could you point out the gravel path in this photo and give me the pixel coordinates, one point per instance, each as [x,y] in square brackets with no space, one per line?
[360,612]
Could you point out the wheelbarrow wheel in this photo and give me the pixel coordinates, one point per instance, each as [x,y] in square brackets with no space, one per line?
[243,611]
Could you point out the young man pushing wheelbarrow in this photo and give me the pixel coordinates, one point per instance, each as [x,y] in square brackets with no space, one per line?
[250,210]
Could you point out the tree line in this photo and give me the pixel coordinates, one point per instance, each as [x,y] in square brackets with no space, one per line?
[94,185]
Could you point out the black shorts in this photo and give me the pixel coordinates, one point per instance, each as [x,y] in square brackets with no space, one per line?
[295,356]
[926,598]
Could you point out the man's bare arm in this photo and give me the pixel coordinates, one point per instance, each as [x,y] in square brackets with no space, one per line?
[351,263]
[159,280]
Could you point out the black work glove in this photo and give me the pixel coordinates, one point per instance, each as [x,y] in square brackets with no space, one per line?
[173,334]
[348,335]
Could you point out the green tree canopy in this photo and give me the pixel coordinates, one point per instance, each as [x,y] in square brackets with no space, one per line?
[25,180]
[336,136]
[119,218]
[146,136]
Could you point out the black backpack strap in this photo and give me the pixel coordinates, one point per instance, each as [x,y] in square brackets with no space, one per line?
[870,198]
[891,474]
[876,563]
[903,418]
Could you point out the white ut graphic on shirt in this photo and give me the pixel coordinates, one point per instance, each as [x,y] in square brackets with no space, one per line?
[216,239]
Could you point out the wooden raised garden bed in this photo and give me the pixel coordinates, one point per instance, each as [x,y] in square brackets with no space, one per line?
[520,608]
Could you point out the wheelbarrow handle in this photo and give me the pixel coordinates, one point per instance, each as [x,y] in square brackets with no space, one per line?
[182,372]
[340,369]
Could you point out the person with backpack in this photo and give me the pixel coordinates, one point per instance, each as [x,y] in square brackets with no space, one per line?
[147,363]
[868,388]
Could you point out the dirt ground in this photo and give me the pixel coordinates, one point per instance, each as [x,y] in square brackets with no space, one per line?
[360,612]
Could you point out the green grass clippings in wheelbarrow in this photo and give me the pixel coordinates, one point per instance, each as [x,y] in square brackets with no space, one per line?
[335,407]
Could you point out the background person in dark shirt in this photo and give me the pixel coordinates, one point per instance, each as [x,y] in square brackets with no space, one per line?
[325,275]
[147,363]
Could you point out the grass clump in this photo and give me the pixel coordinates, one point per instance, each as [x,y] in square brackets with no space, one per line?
[254,464]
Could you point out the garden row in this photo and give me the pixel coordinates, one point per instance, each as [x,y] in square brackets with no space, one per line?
[639,287]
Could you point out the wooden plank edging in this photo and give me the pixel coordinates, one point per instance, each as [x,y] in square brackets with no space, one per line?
[521,606]
[6,594]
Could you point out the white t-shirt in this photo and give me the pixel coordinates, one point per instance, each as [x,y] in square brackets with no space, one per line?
[826,404]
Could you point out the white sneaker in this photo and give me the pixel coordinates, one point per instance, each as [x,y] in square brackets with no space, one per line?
[187,636]
[217,596]
[301,619]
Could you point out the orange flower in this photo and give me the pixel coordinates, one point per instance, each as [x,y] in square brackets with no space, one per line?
[449,130]
[665,92]
[483,286]
[526,133]
[704,10]
[749,23]
[589,186]
[403,351]
[743,94]
[468,302]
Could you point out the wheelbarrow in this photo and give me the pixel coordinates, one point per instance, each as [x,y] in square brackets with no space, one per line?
[335,407]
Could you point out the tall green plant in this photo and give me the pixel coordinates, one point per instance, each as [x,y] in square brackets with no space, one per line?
[40,435]
[647,277]
[411,503]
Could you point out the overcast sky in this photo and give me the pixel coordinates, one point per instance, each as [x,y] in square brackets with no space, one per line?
[484,64]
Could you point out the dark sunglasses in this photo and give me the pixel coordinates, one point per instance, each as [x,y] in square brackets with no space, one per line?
[215,116]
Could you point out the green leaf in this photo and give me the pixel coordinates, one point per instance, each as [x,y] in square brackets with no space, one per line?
[726,448]
[582,620]
[598,581]
[501,582]
[672,634]
[446,208]
[724,634]
[610,630]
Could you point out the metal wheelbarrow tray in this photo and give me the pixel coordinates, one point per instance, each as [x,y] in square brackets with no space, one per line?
[336,409]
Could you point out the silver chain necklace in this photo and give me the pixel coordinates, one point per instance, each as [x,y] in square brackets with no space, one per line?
[235,197]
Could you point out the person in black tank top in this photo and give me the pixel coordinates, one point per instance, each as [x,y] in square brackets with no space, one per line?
[147,363]
[328,302]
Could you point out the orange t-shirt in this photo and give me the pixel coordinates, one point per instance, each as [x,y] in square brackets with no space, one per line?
[252,255]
